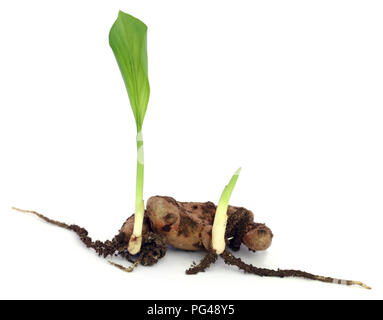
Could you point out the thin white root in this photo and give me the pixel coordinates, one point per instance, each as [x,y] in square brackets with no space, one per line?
[358,283]
[125,269]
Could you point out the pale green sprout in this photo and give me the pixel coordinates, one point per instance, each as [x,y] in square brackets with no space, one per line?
[220,219]
[127,39]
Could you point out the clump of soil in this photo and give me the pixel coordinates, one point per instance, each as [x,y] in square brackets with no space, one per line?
[236,228]
[205,263]
[153,248]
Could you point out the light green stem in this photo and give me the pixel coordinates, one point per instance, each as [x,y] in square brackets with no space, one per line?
[135,240]
[220,219]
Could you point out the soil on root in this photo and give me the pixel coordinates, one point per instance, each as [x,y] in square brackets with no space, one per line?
[205,263]
[249,268]
[153,246]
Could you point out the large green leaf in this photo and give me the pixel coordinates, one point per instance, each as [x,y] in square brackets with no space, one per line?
[127,39]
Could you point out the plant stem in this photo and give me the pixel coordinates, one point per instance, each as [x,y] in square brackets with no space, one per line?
[220,219]
[136,238]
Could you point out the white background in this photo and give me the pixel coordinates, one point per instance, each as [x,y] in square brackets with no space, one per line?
[289,90]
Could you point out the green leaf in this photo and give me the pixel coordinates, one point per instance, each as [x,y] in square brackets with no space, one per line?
[226,194]
[127,39]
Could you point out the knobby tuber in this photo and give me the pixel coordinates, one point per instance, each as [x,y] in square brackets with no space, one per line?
[188,226]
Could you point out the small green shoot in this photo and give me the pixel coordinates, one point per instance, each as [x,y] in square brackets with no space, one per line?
[220,219]
[127,39]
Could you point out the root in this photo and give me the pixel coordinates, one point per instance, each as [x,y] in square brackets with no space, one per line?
[127,269]
[102,248]
[153,246]
[205,263]
[249,268]
[54,222]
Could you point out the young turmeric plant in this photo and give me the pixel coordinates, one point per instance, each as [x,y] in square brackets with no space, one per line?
[195,226]
[127,39]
